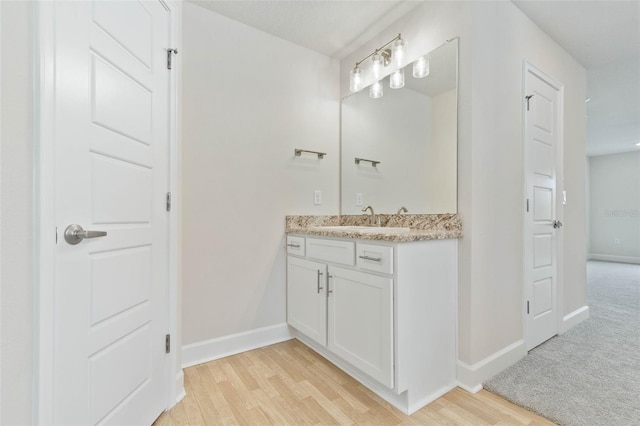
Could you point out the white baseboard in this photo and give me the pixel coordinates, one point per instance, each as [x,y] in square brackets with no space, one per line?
[574,318]
[208,350]
[415,406]
[474,390]
[180,386]
[471,377]
[611,258]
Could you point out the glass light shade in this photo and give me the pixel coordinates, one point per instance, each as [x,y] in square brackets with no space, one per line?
[355,79]
[396,79]
[398,51]
[375,91]
[421,67]
[376,66]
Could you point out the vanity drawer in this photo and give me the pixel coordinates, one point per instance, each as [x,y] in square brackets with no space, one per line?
[375,258]
[331,250]
[295,245]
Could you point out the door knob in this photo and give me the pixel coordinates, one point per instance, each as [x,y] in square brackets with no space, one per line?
[557,224]
[74,234]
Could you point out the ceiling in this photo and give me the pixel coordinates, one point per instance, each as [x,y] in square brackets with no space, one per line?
[603,35]
[331,27]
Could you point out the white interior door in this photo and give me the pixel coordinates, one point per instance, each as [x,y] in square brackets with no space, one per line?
[111,174]
[542,147]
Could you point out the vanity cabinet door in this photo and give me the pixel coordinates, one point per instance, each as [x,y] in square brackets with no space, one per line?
[307,298]
[360,309]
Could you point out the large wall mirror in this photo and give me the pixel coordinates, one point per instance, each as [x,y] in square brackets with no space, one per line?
[401,149]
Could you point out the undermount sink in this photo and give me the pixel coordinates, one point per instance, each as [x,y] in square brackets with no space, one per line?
[363,229]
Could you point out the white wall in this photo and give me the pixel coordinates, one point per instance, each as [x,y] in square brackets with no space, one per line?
[615,207]
[395,130]
[248,99]
[497,169]
[495,38]
[16,215]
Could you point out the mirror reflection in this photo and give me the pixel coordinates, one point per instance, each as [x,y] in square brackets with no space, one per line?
[400,149]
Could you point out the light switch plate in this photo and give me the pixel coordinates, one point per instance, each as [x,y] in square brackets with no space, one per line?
[317,197]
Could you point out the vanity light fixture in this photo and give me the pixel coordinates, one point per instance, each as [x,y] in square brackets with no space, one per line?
[398,50]
[355,79]
[380,58]
[396,79]
[421,67]
[377,62]
[375,91]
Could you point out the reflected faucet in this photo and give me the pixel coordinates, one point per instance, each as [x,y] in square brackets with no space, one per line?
[402,209]
[372,218]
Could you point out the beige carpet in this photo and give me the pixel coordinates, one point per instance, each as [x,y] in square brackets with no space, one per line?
[589,376]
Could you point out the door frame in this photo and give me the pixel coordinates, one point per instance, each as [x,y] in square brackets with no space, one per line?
[529,68]
[44,241]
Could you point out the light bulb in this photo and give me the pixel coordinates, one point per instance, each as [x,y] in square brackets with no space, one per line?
[421,67]
[355,79]
[396,79]
[376,65]
[375,91]
[398,49]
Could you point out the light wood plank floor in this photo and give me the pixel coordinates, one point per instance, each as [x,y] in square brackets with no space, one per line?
[289,384]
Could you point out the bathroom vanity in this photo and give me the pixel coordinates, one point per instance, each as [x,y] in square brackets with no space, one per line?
[380,303]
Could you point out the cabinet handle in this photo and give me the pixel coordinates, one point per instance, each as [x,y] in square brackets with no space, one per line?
[319,275]
[375,259]
[293,245]
[329,291]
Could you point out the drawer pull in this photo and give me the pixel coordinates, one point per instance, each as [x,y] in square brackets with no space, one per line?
[375,259]
[293,245]
[319,287]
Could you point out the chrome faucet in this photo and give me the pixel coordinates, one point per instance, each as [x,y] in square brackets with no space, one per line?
[372,218]
[402,209]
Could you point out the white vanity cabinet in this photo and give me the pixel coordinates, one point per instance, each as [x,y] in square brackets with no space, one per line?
[360,321]
[306,298]
[384,312]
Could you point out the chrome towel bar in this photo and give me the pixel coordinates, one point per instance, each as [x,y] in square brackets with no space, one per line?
[299,152]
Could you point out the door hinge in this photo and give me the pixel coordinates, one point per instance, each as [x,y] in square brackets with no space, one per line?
[167,343]
[528,98]
[527,205]
[170,53]
[168,201]
[527,307]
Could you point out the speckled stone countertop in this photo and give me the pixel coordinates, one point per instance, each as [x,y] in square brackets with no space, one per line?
[423,227]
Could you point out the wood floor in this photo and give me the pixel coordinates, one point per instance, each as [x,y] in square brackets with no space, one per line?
[289,384]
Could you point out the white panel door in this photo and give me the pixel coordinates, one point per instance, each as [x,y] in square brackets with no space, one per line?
[542,144]
[111,174]
[307,298]
[360,320]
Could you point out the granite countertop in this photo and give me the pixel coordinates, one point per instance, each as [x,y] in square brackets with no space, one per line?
[422,227]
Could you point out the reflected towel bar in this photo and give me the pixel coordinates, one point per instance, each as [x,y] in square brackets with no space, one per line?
[299,152]
[373,162]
